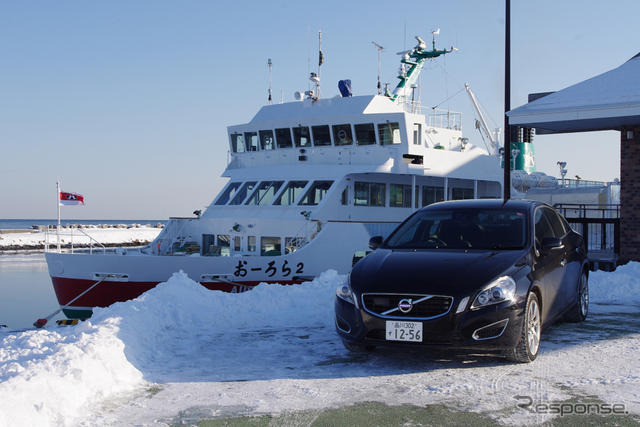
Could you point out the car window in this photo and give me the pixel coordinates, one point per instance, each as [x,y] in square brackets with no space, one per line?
[542,227]
[468,228]
[556,224]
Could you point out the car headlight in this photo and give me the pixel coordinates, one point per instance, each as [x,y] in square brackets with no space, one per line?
[501,289]
[345,293]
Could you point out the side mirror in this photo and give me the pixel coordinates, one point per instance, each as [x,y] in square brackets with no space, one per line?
[375,242]
[550,244]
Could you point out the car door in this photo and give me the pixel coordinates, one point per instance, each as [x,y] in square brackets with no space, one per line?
[572,260]
[549,268]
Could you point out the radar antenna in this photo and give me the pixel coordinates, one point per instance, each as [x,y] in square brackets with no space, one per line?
[380,49]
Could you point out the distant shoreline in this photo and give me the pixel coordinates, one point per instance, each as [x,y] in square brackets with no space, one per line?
[29,249]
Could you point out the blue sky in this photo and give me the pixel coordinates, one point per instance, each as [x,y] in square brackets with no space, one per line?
[128,101]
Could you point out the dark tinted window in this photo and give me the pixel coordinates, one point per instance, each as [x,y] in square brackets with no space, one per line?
[321,135]
[251,141]
[369,194]
[400,196]
[301,136]
[462,229]
[542,227]
[316,193]
[242,193]
[365,134]
[283,137]
[432,195]
[237,143]
[556,223]
[266,140]
[291,193]
[342,135]
[228,193]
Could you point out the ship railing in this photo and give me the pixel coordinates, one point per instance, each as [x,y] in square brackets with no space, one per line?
[436,117]
[70,232]
[582,183]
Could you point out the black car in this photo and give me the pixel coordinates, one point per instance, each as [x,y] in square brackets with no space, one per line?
[479,274]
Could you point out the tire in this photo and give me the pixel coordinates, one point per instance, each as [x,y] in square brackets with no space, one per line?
[527,348]
[357,348]
[580,310]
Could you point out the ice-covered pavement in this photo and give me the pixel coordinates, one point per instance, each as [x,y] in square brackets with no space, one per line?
[182,353]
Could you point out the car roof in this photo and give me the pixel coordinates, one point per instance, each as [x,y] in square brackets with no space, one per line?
[486,204]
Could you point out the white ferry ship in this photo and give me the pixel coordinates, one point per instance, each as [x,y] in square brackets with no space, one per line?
[309,183]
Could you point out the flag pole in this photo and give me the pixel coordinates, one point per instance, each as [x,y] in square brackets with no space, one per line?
[58,203]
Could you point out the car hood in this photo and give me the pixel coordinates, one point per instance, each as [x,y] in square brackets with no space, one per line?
[440,272]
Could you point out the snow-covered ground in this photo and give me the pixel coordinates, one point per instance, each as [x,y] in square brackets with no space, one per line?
[106,236]
[181,353]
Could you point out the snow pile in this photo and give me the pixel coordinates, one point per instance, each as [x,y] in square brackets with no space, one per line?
[47,377]
[106,236]
[51,377]
[619,287]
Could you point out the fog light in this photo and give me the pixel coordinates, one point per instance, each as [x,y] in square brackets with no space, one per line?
[463,305]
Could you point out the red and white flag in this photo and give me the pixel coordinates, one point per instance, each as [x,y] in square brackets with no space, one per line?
[71,199]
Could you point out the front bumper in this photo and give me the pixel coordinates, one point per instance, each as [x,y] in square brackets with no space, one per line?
[495,327]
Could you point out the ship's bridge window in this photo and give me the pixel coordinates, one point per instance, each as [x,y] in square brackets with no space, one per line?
[270,246]
[316,193]
[228,193]
[369,194]
[242,193]
[251,139]
[365,134]
[291,193]
[399,195]
[264,193]
[283,137]
[321,135]
[342,134]
[301,136]
[237,143]
[266,140]
[389,133]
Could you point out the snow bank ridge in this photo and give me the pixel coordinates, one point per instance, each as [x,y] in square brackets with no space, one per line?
[50,377]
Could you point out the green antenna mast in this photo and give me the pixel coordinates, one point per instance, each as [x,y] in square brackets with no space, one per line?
[411,66]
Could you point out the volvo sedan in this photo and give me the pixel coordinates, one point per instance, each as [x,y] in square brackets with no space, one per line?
[475,274]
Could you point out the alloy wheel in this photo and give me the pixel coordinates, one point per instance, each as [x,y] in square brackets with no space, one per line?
[533,327]
[584,295]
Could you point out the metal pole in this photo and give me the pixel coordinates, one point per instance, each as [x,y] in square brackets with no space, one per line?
[507,102]
[58,203]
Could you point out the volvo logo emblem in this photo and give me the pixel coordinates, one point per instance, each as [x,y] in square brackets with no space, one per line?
[405,305]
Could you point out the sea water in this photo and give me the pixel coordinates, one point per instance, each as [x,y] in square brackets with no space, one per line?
[26,292]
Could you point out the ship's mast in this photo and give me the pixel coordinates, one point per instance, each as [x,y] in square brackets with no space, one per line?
[270,65]
[411,66]
[380,49]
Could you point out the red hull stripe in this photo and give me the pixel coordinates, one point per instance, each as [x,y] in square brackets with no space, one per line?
[107,293]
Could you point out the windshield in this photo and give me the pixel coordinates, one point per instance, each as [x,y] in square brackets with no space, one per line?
[462,229]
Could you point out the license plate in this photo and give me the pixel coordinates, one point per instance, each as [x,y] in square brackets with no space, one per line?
[403,331]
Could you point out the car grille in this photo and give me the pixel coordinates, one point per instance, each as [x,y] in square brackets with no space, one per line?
[423,306]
